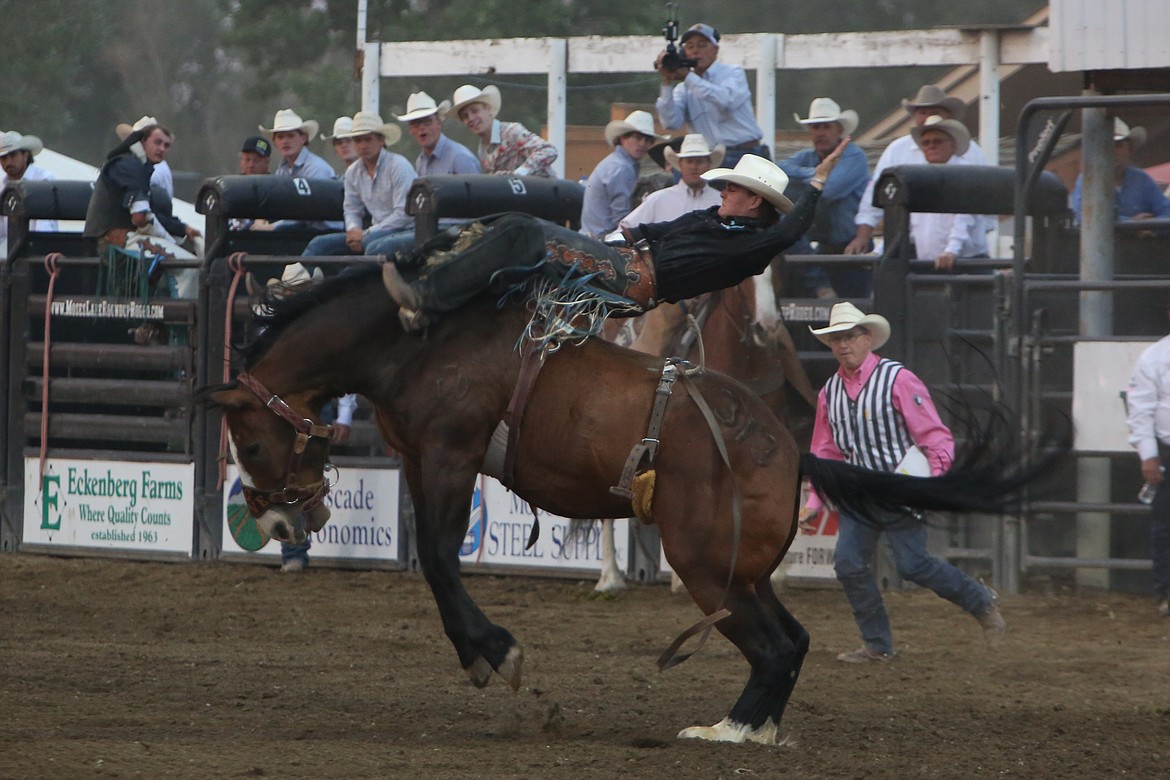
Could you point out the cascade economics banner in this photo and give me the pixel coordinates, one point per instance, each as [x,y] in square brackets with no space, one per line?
[363,524]
[501,523]
[112,505]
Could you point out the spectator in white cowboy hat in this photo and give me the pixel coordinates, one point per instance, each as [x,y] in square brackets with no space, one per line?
[666,261]
[607,192]
[1137,194]
[290,135]
[504,147]
[343,146]
[833,227]
[162,176]
[438,154]
[17,153]
[712,97]
[376,184]
[876,414]
[945,237]
[691,193]
[930,100]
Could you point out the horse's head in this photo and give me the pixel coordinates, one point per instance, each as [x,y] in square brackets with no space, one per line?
[282,455]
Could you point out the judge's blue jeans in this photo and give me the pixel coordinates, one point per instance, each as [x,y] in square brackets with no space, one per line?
[854,565]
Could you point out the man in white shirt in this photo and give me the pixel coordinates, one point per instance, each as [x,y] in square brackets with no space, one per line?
[692,193]
[929,101]
[945,237]
[16,159]
[1148,404]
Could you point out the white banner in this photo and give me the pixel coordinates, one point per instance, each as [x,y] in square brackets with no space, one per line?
[363,524]
[811,555]
[501,523]
[110,505]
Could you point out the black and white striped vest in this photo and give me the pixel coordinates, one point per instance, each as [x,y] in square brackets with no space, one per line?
[869,432]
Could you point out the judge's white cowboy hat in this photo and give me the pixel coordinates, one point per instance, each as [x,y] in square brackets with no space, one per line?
[366,122]
[123,129]
[952,127]
[420,105]
[760,176]
[341,125]
[288,121]
[845,316]
[1123,132]
[930,95]
[12,141]
[695,145]
[826,110]
[468,94]
[635,122]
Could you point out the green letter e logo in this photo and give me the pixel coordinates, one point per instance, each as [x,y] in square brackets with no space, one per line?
[49,499]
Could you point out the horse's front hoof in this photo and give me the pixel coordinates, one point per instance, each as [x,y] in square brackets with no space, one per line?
[509,668]
[729,731]
[480,672]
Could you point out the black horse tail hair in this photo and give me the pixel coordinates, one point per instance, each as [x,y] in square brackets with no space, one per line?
[990,476]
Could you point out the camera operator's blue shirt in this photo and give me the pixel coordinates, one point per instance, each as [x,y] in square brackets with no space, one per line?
[717,104]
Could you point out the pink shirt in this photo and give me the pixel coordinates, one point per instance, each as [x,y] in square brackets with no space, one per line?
[913,402]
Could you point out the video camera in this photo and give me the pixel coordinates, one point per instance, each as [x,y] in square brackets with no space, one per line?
[671,59]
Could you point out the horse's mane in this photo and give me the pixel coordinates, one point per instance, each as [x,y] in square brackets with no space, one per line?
[276,313]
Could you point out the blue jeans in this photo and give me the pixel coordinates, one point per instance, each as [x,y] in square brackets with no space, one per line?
[333,244]
[853,563]
[387,243]
[1160,533]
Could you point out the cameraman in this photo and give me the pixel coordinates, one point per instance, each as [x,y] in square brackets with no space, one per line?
[712,97]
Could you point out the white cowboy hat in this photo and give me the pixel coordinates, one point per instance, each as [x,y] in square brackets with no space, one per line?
[930,95]
[1123,132]
[287,121]
[366,122]
[420,105]
[635,122]
[12,141]
[952,127]
[826,110]
[468,94]
[761,176]
[694,145]
[123,130]
[296,273]
[342,124]
[845,316]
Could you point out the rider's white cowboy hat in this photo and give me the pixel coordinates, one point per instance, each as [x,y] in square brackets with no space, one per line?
[420,105]
[366,122]
[1123,132]
[694,145]
[635,122]
[12,141]
[952,127]
[930,95]
[468,94]
[342,124]
[825,109]
[122,129]
[287,121]
[760,176]
[845,316]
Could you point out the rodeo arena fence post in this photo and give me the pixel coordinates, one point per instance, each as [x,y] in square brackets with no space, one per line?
[106,452]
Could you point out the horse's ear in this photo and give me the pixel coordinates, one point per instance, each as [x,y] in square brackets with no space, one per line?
[228,396]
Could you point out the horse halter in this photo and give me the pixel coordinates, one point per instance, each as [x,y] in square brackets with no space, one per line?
[311,495]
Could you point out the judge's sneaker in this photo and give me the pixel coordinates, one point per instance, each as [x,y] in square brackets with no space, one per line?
[864,655]
[994,626]
[293,565]
[1164,608]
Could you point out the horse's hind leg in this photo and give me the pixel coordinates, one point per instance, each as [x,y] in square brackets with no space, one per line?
[774,651]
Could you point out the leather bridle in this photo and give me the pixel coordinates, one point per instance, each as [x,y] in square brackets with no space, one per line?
[311,495]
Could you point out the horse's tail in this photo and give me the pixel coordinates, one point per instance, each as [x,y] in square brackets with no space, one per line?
[989,480]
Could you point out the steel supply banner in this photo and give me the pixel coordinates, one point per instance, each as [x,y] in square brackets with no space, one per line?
[501,523]
[110,505]
[363,524]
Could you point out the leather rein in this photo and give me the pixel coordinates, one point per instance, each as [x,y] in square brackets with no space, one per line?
[311,495]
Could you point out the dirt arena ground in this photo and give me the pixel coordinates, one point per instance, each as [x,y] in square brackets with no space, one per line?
[129,670]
